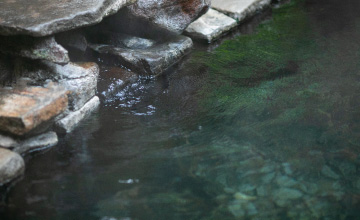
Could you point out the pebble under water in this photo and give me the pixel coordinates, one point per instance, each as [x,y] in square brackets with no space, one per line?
[265,125]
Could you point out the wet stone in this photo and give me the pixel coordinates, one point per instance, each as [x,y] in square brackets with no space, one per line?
[239,10]
[328,172]
[67,124]
[43,17]
[79,78]
[11,165]
[210,26]
[23,110]
[149,61]
[38,142]
[266,179]
[285,181]
[283,195]
[173,15]
[287,168]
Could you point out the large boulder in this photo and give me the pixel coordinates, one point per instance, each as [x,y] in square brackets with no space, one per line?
[11,165]
[171,15]
[44,17]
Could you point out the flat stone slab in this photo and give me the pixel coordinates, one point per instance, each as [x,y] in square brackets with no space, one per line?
[210,26]
[44,17]
[11,165]
[67,124]
[152,60]
[22,110]
[239,9]
[37,143]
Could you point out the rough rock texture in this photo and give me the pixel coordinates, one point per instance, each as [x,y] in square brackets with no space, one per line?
[68,123]
[74,40]
[11,165]
[239,9]
[22,110]
[173,15]
[7,142]
[79,78]
[152,60]
[44,17]
[210,26]
[44,48]
[36,143]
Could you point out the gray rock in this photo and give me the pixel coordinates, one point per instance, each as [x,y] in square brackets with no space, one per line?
[283,195]
[67,124]
[7,142]
[73,40]
[210,26]
[287,168]
[328,172]
[150,61]
[285,181]
[125,40]
[36,143]
[43,17]
[79,78]
[267,178]
[173,15]
[44,48]
[11,165]
[240,10]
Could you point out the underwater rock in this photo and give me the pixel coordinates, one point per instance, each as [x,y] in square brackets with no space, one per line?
[282,195]
[172,15]
[152,60]
[68,123]
[285,181]
[79,78]
[43,17]
[239,10]
[328,172]
[44,48]
[23,110]
[38,142]
[210,26]
[11,165]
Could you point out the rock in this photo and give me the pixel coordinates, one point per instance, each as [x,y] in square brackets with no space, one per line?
[285,181]
[210,26]
[74,40]
[266,179]
[43,17]
[242,196]
[36,143]
[68,123]
[328,172]
[44,48]
[23,110]
[123,40]
[173,15]
[79,78]
[152,60]
[11,165]
[283,195]
[240,10]
[287,168]
[7,142]
[113,79]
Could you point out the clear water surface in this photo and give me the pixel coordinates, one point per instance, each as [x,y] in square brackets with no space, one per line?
[265,125]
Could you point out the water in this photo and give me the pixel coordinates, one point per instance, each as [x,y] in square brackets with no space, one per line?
[265,126]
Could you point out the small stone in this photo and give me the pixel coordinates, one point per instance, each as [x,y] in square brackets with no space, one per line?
[236,209]
[282,195]
[68,123]
[287,168]
[240,10]
[285,181]
[11,165]
[36,143]
[268,178]
[7,142]
[251,209]
[210,26]
[262,191]
[44,48]
[242,196]
[21,111]
[347,168]
[247,188]
[328,172]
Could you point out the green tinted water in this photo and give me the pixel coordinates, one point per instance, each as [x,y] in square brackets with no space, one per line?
[265,126]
